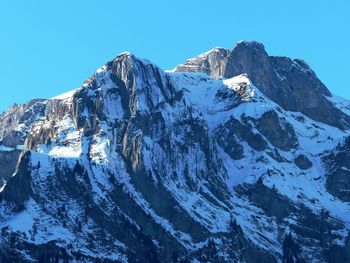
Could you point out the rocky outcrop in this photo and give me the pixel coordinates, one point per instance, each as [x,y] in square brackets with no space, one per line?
[15,124]
[18,188]
[303,162]
[142,165]
[8,162]
[338,171]
[212,63]
[290,83]
[278,132]
[231,133]
[17,120]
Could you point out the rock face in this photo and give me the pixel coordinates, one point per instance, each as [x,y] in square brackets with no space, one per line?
[338,171]
[278,131]
[15,124]
[303,162]
[290,83]
[142,165]
[17,120]
[212,63]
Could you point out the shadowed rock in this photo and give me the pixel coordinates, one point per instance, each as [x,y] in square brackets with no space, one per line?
[290,83]
[303,162]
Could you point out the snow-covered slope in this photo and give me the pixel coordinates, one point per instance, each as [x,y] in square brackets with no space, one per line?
[142,165]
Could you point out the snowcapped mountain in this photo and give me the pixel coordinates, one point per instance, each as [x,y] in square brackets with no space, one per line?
[234,156]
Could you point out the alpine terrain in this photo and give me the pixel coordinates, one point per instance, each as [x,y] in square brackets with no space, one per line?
[233,156]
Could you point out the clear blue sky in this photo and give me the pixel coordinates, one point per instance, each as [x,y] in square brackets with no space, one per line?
[49,47]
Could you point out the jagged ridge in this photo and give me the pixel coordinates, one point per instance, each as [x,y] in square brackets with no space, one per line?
[143,165]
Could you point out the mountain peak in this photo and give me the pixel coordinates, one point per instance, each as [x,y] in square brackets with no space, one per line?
[250,44]
[211,62]
[290,83]
[143,165]
[126,55]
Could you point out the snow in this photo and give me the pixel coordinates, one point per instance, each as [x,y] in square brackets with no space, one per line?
[65,95]
[340,103]
[48,228]
[6,149]
[33,215]
[124,178]
[344,168]
[101,157]
[205,54]
[314,137]
[201,91]
[10,149]
[259,228]
[238,170]
[20,147]
[125,53]
[234,81]
[21,127]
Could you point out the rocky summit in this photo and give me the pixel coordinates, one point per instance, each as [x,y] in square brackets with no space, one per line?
[233,156]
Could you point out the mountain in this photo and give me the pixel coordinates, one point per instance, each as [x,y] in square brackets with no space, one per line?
[15,124]
[233,156]
[290,83]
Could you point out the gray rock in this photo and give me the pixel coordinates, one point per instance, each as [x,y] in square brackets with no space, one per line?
[278,132]
[15,124]
[290,83]
[212,63]
[132,164]
[338,171]
[17,120]
[303,162]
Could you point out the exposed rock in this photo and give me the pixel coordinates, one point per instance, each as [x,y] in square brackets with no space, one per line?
[18,188]
[273,203]
[8,162]
[303,162]
[236,132]
[338,171]
[279,132]
[212,63]
[274,153]
[339,253]
[15,124]
[142,165]
[17,120]
[289,83]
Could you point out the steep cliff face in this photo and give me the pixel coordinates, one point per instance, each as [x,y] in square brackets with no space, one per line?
[290,83]
[17,120]
[212,63]
[338,172]
[142,165]
[15,124]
